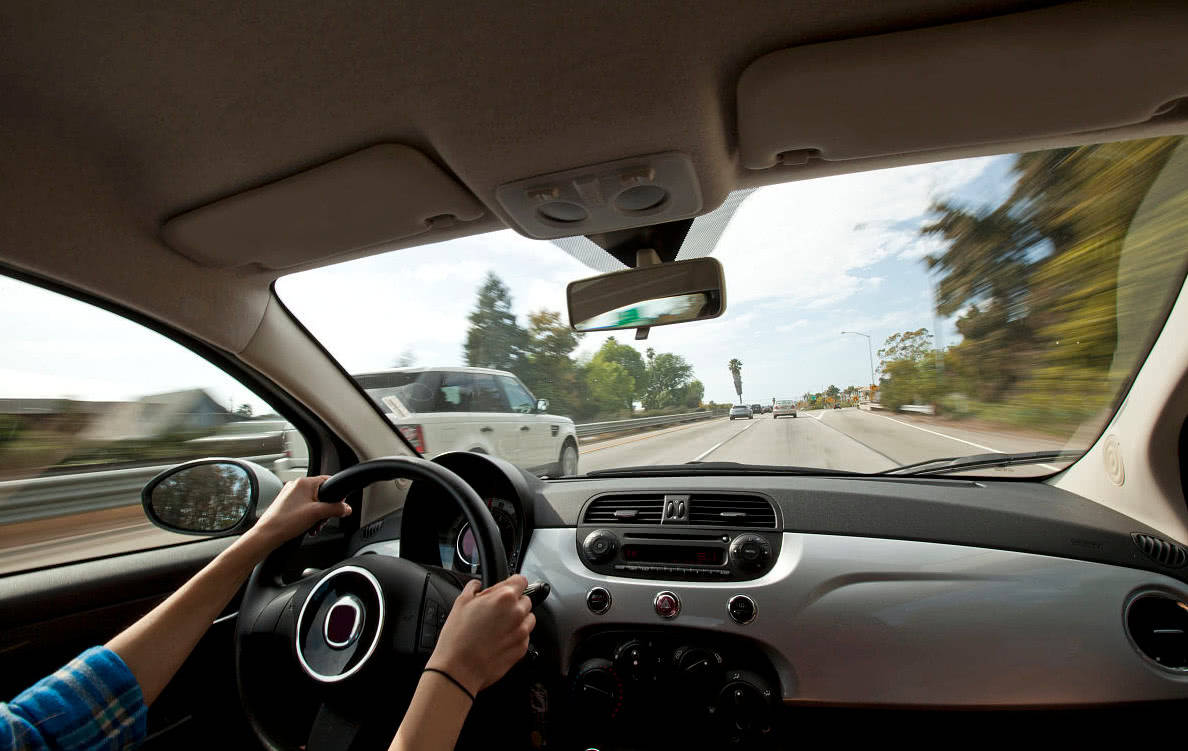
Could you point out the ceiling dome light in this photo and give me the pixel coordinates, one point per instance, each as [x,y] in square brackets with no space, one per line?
[640,198]
[562,211]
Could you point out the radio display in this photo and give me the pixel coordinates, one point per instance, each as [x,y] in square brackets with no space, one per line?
[678,554]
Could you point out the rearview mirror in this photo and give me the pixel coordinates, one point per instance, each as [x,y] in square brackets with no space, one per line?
[655,295]
[210,497]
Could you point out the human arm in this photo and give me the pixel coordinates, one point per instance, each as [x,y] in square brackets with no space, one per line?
[155,646]
[485,634]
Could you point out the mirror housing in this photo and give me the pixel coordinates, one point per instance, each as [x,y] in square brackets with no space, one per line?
[542,406]
[652,295]
[209,497]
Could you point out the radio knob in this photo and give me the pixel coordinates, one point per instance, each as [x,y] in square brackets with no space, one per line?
[600,545]
[750,552]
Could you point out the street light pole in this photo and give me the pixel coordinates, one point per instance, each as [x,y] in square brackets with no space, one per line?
[869,352]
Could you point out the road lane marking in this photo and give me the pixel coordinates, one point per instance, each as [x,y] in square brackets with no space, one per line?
[954,438]
[718,445]
[866,446]
[653,434]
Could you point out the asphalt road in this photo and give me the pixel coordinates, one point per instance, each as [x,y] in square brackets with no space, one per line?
[846,439]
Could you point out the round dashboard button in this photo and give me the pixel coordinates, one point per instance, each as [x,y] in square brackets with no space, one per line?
[742,609]
[598,600]
[667,605]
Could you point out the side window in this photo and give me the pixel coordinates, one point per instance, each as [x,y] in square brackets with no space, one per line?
[93,406]
[487,396]
[455,393]
[517,396]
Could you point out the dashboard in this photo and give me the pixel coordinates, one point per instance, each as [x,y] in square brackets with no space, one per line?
[740,603]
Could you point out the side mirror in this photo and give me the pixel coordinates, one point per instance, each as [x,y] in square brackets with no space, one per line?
[542,405]
[654,295]
[211,497]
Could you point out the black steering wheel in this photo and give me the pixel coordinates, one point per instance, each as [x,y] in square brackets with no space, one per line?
[332,640]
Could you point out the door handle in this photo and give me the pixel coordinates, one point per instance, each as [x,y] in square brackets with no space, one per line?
[525,427]
[486,429]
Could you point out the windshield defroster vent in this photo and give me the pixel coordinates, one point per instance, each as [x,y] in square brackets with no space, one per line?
[1161,551]
[739,511]
[625,509]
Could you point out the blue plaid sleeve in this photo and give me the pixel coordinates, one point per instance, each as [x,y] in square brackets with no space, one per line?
[94,702]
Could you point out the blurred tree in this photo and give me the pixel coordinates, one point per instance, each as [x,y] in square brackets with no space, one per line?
[407,359]
[243,410]
[607,381]
[545,365]
[494,339]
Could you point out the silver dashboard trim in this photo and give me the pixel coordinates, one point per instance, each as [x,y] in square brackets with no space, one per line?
[860,620]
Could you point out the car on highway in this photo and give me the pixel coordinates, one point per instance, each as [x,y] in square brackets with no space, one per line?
[631,210]
[467,409]
[784,408]
[757,409]
[483,410]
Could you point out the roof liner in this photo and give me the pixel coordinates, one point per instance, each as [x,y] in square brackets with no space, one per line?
[116,118]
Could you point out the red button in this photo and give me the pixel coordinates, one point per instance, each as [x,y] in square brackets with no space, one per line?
[667,605]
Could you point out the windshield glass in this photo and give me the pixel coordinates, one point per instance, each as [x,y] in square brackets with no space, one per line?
[987,305]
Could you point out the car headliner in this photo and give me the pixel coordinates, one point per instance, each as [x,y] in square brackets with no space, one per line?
[119,117]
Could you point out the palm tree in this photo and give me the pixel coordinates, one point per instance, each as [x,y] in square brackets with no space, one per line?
[735,366]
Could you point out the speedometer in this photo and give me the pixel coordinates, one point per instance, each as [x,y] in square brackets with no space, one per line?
[504,513]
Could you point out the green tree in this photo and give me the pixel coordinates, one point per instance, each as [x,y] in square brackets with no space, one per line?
[243,410]
[628,357]
[907,363]
[606,382]
[691,394]
[667,375]
[494,339]
[735,366]
[545,363]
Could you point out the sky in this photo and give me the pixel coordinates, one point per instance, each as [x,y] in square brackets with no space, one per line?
[803,261]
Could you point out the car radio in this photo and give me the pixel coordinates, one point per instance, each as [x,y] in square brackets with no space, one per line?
[720,555]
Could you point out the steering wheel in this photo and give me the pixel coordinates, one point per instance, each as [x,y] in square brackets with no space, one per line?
[333,640]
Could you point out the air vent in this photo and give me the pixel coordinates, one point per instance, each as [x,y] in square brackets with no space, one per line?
[732,511]
[371,530]
[1161,551]
[625,509]
[1158,626]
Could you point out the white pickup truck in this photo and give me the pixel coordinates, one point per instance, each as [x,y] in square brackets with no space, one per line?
[465,409]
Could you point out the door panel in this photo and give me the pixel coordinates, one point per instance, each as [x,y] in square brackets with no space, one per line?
[47,617]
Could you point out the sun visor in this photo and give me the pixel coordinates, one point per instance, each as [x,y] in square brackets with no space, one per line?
[381,195]
[1073,68]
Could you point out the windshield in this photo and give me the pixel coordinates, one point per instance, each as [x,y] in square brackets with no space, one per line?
[987,305]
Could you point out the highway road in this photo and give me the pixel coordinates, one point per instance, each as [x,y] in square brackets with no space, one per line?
[846,439]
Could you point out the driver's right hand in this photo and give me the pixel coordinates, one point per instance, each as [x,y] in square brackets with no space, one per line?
[485,634]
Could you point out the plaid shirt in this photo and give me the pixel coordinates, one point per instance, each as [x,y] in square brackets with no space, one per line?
[92,703]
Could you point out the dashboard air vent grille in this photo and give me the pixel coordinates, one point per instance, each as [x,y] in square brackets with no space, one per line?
[732,511]
[1161,551]
[625,509]
[1158,626]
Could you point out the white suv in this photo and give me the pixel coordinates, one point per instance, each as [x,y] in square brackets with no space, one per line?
[475,409]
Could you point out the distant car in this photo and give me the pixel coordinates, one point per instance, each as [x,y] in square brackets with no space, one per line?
[784,407]
[766,408]
[740,411]
[837,406]
[757,409]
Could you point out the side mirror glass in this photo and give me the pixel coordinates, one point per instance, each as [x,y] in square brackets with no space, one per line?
[209,496]
[542,405]
[656,295]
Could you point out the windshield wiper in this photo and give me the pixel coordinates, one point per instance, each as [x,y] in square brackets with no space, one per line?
[979,461]
[718,468]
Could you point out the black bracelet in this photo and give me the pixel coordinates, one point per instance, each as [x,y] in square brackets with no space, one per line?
[452,680]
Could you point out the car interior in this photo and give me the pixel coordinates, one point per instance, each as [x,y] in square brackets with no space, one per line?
[169,163]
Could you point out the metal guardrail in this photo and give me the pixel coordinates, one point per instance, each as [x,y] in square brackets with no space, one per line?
[94,490]
[59,495]
[924,409]
[621,426]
